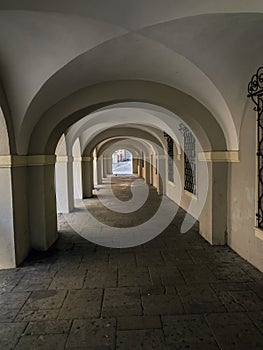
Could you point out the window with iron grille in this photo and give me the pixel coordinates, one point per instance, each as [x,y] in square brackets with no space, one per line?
[189,160]
[170,151]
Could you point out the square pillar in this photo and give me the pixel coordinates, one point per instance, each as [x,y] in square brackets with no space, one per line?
[42,201]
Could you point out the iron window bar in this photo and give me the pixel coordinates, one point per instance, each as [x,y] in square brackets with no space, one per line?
[255,92]
[170,151]
[189,159]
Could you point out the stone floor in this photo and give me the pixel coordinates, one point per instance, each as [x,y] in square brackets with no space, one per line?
[174,292]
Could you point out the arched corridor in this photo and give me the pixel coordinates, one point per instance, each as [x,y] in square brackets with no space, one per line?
[131,162]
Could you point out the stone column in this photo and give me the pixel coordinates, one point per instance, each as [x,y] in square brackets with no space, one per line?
[87,176]
[105,170]
[139,168]
[135,165]
[109,165]
[162,175]
[147,170]
[64,187]
[215,229]
[42,201]
[99,170]
[14,231]
[219,203]
[77,178]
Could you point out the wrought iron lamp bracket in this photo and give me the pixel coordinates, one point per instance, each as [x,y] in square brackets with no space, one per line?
[255,90]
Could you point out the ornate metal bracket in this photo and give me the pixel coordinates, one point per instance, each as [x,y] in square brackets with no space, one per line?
[255,92]
[255,89]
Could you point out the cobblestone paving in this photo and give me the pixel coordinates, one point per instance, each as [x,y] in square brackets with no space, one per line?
[175,292]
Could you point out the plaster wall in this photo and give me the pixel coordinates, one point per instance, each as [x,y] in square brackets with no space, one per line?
[42,205]
[64,200]
[77,171]
[4,142]
[77,178]
[242,195]
[20,209]
[7,244]
[155,177]
[208,206]
[87,176]
[63,178]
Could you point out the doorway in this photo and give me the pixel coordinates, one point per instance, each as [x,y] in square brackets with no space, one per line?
[122,162]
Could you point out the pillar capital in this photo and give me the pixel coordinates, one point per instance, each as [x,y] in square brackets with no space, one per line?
[219,156]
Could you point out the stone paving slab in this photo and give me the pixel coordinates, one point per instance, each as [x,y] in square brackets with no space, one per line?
[72,279]
[250,270]
[92,334]
[32,283]
[48,327]
[176,257]
[230,273]
[42,342]
[257,318]
[101,277]
[147,258]
[139,322]
[13,300]
[141,339]
[200,299]
[47,299]
[188,332]
[230,286]
[96,260]
[7,315]
[37,315]
[156,243]
[163,304]
[122,260]
[197,274]
[235,331]
[134,277]
[257,288]
[65,263]
[157,289]
[83,303]
[10,334]
[248,299]
[230,302]
[9,282]
[168,276]
[121,301]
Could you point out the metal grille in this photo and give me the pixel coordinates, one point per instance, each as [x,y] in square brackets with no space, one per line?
[189,160]
[170,151]
[255,92]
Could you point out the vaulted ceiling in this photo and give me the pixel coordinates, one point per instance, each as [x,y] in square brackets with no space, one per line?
[207,49]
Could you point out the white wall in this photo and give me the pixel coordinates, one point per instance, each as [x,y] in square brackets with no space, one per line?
[242,195]
[77,170]
[63,169]
[7,244]
[208,206]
